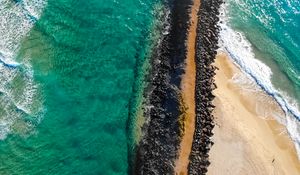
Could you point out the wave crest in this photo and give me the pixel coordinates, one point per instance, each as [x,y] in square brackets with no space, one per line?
[21,104]
[240,50]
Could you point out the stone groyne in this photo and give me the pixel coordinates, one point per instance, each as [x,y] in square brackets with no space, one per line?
[206,50]
[158,149]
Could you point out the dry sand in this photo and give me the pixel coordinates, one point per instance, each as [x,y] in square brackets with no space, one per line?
[188,95]
[248,141]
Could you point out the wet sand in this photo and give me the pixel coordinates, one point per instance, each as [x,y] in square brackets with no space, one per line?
[248,140]
[188,96]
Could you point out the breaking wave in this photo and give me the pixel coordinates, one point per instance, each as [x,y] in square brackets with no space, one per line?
[20,100]
[235,44]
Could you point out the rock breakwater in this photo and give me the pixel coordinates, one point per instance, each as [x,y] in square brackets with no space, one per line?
[158,149]
[206,46]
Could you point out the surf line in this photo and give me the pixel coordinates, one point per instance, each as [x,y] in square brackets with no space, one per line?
[26,12]
[280,101]
[9,64]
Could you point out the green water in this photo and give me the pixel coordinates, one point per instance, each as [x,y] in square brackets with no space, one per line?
[266,45]
[272,27]
[86,57]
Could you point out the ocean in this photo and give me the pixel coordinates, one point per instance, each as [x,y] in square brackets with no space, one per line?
[71,79]
[72,76]
[262,37]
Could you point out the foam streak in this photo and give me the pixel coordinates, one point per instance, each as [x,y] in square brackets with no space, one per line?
[240,50]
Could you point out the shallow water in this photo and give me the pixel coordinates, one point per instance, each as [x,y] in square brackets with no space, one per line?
[263,40]
[75,85]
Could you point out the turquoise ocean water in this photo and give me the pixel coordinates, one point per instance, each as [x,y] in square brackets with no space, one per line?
[71,74]
[263,38]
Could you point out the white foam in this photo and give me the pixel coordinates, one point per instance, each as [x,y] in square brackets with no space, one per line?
[248,86]
[240,50]
[8,62]
[19,94]
[34,7]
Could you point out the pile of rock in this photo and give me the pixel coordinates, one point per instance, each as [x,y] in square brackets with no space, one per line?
[207,44]
[158,149]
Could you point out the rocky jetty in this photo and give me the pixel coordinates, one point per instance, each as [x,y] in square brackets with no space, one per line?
[206,46]
[158,149]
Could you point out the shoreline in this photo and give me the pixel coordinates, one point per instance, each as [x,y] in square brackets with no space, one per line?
[188,94]
[247,132]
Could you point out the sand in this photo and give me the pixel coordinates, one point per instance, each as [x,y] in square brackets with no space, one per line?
[188,94]
[248,140]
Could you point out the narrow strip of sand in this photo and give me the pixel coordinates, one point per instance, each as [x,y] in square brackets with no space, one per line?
[247,138]
[188,94]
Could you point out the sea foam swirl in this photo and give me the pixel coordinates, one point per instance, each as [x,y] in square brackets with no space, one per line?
[240,51]
[20,100]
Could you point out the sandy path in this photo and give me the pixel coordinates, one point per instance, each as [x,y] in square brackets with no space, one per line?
[188,95]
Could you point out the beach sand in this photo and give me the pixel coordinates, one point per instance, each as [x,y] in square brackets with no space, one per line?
[248,140]
[188,95]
